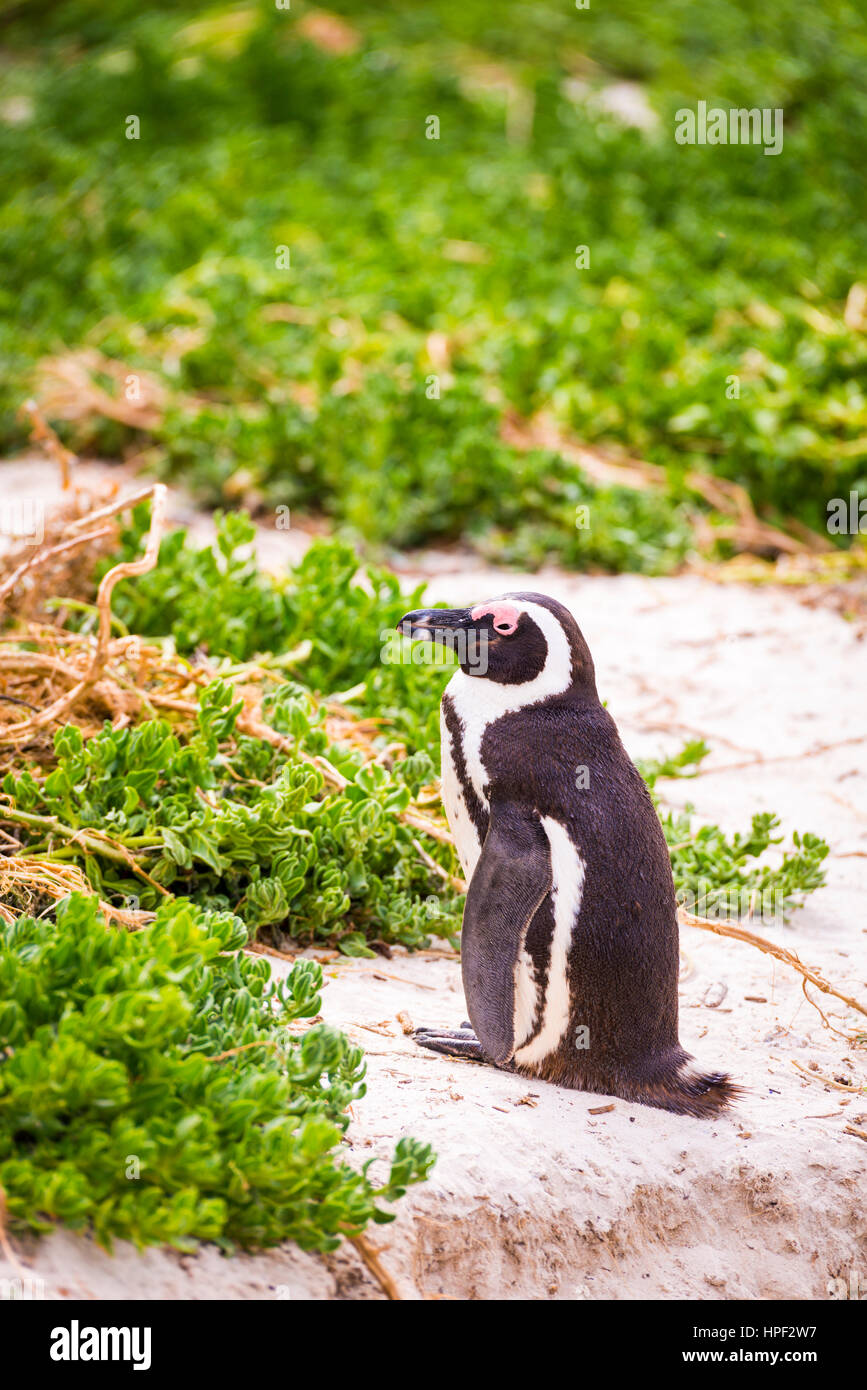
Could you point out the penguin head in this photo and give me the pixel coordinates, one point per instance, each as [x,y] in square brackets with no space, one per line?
[512,640]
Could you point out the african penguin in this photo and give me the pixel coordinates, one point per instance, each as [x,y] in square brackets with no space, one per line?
[569,945]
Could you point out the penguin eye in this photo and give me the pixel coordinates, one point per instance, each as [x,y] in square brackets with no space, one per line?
[505,616]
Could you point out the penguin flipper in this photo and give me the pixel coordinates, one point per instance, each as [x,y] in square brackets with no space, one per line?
[511,879]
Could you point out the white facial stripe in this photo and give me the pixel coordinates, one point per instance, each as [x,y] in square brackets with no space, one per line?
[479,701]
[567,887]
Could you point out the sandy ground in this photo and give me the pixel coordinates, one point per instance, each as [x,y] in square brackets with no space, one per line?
[534,1195]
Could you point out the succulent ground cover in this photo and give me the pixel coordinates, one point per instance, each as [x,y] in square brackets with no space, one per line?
[153,1088]
[403,266]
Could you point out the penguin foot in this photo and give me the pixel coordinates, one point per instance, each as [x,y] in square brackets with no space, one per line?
[451,1042]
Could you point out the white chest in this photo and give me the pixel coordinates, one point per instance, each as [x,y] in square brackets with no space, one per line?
[466,836]
[475,710]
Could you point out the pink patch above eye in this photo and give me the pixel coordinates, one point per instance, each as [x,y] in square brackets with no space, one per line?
[505,616]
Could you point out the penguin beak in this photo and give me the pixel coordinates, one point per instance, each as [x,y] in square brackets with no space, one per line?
[435,624]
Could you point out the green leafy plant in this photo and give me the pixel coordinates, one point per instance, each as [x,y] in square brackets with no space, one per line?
[155,1087]
[326,622]
[720,875]
[226,820]
[310,383]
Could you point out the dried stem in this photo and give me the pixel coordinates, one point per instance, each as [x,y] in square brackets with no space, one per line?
[828,1080]
[42,433]
[19,732]
[40,555]
[761,943]
[370,1256]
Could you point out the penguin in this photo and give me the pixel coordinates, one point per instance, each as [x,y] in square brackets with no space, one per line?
[569,943]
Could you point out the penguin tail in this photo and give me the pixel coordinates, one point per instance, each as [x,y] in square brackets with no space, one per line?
[697,1093]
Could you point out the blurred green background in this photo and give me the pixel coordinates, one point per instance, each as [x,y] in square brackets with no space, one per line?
[311,384]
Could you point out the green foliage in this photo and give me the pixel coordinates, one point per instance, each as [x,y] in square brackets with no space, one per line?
[716,872]
[152,1088]
[684,763]
[226,820]
[333,621]
[211,598]
[718,875]
[307,385]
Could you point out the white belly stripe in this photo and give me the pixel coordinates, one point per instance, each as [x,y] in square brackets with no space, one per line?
[567,886]
[526,998]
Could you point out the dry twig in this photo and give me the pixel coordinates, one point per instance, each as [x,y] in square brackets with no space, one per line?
[761,943]
[829,1081]
[370,1256]
[21,732]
